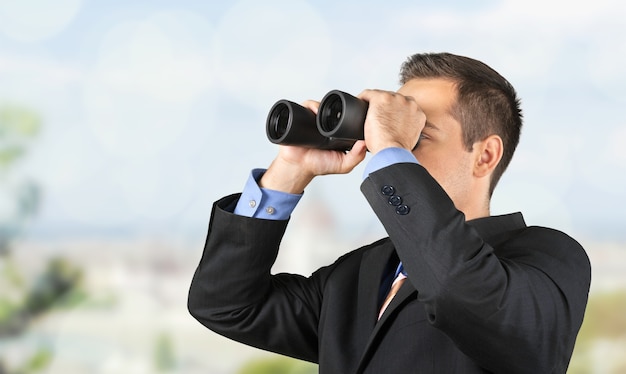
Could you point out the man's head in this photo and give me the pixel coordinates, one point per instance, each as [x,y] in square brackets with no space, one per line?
[486,104]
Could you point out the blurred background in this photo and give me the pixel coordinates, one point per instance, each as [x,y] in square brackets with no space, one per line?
[122,121]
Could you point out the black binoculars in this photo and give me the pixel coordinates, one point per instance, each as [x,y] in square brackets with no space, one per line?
[337,126]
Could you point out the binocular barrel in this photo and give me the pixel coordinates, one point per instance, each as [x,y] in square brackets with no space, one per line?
[337,126]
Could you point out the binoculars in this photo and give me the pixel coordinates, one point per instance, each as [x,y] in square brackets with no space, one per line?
[337,126]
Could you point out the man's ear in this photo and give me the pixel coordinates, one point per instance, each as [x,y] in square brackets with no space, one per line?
[489,153]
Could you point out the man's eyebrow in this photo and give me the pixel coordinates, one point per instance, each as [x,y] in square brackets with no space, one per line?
[431,125]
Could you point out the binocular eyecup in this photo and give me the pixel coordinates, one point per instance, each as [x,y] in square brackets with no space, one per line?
[337,126]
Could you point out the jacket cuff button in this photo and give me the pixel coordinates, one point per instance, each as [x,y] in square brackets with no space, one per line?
[388,190]
[403,210]
[395,200]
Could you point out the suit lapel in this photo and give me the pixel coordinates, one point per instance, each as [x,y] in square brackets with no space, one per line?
[405,292]
[373,267]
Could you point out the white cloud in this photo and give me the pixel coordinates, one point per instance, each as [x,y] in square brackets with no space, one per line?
[606,59]
[272,50]
[139,96]
[36,20]
[50,72]
[616,149]
[165,56]
[149,193]
[522,39]
[602,163]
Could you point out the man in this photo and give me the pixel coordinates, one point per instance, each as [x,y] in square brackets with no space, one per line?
[473,293]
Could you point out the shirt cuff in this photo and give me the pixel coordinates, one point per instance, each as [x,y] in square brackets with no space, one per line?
[258,202]
[387,157]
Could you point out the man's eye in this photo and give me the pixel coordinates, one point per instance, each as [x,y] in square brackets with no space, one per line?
[419,140]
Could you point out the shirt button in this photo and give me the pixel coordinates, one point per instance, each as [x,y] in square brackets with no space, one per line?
[395,200]
[252,203]
[403,210]
[388,190]
[270,210]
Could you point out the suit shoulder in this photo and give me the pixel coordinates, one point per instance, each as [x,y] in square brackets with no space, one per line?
[549,247]
[546,237]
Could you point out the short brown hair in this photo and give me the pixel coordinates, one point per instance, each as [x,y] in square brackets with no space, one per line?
[486,102]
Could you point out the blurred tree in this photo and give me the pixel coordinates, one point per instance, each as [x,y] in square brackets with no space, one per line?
[21,301]
[164,357]
[19,198]
[601,343]
[278,365]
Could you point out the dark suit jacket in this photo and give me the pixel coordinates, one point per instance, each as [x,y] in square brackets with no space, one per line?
[489,295]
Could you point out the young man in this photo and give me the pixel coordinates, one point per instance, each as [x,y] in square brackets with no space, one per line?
[451,290]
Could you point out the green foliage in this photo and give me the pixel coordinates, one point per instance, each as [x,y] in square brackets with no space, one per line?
[18,125]
[602,337]
[37,362]
[164,357]
[22,303]
[9,154]
[51,286]
[605,317]
[278,365]
[7,310]
[58,284]
[16,119]
[11,274]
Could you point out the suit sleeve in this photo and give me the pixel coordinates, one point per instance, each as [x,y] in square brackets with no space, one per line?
[234,294]
[516,315]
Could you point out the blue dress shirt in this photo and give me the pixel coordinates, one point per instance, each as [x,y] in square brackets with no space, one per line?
[258,202]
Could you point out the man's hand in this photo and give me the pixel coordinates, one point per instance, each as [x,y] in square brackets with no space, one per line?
[393,120]
[294,167]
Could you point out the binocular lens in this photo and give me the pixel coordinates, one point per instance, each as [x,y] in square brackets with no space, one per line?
[279,121]
[331,113]
[337,125]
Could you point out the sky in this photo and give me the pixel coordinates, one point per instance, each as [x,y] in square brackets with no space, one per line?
[152,110]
